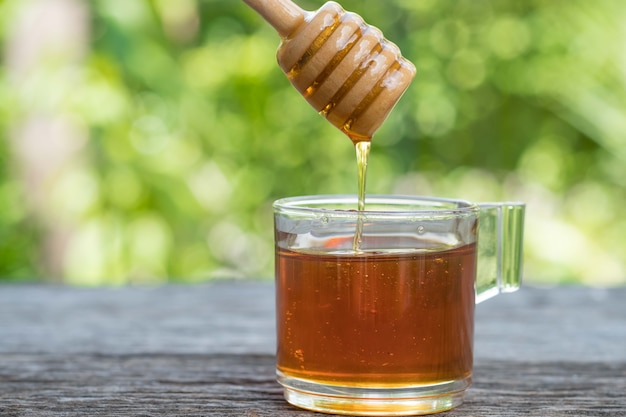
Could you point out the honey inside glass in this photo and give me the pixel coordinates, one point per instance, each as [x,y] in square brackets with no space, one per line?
[376,320]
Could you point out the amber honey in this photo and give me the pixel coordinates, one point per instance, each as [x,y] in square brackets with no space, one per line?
[376,319]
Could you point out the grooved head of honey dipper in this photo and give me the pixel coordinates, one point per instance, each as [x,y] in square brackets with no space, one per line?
[361,121]
[346,70]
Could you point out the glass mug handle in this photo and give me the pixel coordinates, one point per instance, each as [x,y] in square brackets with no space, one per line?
[500,241]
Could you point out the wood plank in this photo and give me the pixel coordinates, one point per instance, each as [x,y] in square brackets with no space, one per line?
[244,385]
[534,324]
[208,350]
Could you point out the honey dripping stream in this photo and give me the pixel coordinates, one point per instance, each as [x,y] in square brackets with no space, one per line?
[362,155]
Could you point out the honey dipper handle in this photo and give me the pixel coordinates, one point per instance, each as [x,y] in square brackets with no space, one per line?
[284,15]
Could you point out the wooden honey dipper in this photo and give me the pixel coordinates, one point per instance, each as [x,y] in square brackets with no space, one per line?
[343,67]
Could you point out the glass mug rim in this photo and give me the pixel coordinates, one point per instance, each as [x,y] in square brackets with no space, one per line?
[387,205]
[412,204]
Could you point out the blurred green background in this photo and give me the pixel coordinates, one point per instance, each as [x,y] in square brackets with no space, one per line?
[144,141]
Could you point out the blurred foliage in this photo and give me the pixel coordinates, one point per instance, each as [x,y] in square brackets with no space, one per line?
[193,131]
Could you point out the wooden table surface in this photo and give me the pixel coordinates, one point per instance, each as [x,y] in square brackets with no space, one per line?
[209,350]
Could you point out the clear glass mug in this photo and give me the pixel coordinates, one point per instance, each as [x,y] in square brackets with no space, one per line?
[386,329]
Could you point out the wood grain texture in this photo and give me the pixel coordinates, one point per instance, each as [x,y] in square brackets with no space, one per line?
[243,385]
[208,351]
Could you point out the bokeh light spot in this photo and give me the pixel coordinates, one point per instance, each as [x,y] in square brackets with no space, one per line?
[436,116]
[467,70]
[508,37]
